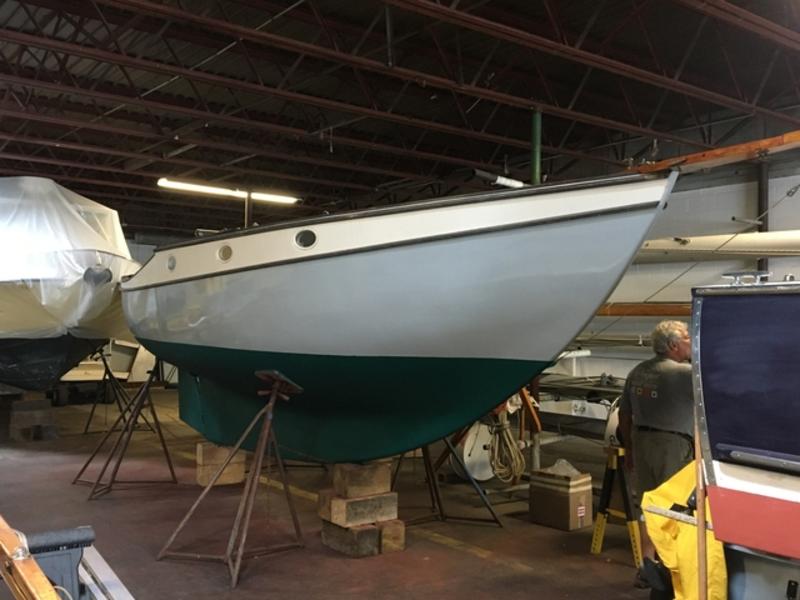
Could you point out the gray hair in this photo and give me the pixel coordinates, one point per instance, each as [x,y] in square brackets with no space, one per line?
[666,332]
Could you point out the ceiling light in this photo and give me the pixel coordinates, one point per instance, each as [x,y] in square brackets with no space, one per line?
[220,191]
[201,189]
[508,182]
[499,179]
[273,198]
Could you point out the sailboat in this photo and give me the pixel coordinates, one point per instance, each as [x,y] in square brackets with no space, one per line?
[63,257]
[401,323]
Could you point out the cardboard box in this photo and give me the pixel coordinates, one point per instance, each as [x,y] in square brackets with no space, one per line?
[561,501]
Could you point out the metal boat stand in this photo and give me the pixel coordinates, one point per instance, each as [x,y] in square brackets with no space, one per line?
[120,394]
[125,425]
[281,388]
[437,507]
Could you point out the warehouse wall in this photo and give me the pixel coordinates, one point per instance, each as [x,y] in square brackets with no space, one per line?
[694,211]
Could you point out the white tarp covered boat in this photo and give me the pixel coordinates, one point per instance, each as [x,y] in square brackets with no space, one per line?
[63,257]
[402,323]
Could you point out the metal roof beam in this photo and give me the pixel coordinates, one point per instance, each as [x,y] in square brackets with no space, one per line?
[245,86]
[245,124]
[268,91]
[746,20]
[236,148]
[421,78]
[4,170]
[610,65]
[37,141]
[82,166]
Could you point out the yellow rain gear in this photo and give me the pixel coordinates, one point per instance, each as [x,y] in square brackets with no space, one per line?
[676,542]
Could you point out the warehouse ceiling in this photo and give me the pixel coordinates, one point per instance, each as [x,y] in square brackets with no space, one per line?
[355,104]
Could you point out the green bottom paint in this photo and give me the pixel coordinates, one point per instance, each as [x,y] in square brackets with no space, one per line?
[352,408]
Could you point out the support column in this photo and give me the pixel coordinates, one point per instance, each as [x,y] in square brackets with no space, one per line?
[248,210]
[536,148]
[763,207]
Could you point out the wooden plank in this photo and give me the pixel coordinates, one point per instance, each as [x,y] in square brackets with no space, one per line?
[349,512]
[355,480]
[208,453]
[645,309]
[234,473]
[722,156]
[358,541]
[23,576]
[324,498]
[392,535]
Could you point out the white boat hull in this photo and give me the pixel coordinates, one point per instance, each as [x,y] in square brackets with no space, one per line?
[402,330]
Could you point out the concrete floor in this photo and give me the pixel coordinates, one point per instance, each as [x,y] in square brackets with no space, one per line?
[442,560]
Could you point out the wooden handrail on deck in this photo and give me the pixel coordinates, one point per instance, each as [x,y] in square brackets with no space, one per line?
[726,155]
[19,569]
[645,309]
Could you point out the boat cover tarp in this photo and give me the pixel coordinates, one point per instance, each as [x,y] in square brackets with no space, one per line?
[62,257]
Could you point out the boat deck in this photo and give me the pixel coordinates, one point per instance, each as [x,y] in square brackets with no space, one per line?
[442,560]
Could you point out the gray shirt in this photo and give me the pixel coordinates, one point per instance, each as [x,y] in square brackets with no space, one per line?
[658,393]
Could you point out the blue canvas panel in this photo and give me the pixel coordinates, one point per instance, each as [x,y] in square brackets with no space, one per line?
[750,367]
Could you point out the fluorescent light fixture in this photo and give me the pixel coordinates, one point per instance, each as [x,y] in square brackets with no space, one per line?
[184,186]
[508,182]
[499,179]
[273,198]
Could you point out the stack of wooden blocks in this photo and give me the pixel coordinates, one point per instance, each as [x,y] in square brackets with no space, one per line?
[209,459]
[359,514]
[31,418]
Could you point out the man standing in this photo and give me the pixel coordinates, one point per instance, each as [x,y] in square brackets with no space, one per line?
[657,412]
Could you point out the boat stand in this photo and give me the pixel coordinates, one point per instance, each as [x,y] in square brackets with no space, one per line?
[125,425]
[281,388]
[120,394]
[437,507]
[615,470]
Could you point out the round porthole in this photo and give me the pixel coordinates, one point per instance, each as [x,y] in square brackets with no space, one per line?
[305,238]
[225,253]
[171,262]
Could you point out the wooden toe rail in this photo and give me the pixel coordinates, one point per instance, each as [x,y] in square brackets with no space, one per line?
[19,569]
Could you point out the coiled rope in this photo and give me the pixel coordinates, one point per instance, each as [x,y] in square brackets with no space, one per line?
[505,456]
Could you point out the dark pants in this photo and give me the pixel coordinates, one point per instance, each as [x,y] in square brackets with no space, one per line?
[657,456]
